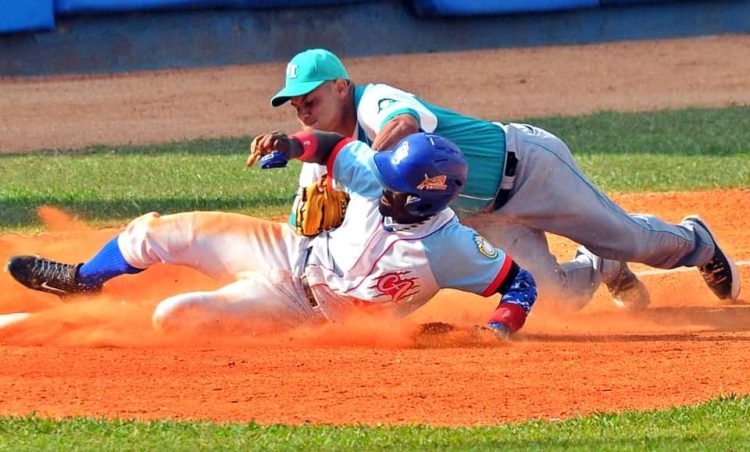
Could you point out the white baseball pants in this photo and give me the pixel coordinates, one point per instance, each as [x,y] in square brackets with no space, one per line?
[260,259]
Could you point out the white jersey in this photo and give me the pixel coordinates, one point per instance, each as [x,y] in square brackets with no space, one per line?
[363,263]
[401,267]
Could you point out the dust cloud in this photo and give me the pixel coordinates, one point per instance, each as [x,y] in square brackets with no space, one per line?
[121,315]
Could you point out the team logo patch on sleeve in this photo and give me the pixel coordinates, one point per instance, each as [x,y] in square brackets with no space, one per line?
[485,247]
[385,103]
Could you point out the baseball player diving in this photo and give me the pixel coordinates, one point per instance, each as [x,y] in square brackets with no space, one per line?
[399,243]
[523,181]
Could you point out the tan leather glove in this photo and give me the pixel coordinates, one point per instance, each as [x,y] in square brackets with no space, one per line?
[319,208]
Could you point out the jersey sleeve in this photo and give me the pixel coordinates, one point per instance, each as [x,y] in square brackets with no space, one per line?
[470,263]
[353,168]
[381,103]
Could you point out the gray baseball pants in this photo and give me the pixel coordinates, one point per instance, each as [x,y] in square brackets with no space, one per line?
[551,194]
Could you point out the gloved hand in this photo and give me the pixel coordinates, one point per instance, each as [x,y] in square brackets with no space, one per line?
[515,304]
[501,330]
[498,330]
[275,141]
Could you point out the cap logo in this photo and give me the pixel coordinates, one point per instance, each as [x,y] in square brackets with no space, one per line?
[434,183]
[291,70]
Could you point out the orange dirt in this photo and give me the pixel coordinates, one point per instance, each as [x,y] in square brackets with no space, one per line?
[100,357]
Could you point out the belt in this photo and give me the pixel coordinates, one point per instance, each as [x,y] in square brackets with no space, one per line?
[308,292]
[506,183]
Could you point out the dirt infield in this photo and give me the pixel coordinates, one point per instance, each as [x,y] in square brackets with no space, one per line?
[100,357]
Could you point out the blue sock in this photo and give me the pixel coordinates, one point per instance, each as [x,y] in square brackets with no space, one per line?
[105,265]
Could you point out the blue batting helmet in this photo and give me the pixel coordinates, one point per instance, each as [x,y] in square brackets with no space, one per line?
[429,168]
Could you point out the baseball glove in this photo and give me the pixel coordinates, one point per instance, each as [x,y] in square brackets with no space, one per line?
[319,208]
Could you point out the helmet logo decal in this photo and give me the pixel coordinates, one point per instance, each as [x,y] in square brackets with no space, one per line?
[433,183]
[400,153]
[485,247]
[395,285]
[385,103]
[291,70]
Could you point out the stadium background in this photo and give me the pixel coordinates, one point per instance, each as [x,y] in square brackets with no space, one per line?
[85,36]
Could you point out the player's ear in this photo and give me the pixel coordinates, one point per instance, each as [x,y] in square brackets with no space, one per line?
[341,87]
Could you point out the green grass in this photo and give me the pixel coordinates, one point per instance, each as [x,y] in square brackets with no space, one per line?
[109,185]
[671,150]
[622,152]
[720,424]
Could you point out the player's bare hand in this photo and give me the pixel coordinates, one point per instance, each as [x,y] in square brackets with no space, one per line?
[266,143]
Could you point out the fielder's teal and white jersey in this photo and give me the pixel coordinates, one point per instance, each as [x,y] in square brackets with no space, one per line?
[376,104]
[369,261]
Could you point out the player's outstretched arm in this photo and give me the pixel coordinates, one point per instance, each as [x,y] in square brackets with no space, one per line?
[306,145]
[395,130]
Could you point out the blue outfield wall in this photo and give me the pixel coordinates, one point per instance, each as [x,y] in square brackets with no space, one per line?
[24,15]
[68,7]
[434,8]
[108,43]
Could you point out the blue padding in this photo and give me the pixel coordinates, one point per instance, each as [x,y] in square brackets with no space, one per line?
[432,8]
[98,6]
[630,2]
[23,15]
[85,6]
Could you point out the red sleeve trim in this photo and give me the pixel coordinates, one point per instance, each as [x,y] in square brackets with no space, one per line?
[500,278]
[309,143]
[332,158]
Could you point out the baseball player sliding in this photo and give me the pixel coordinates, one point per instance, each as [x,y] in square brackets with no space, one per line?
[523,181]
[398,245]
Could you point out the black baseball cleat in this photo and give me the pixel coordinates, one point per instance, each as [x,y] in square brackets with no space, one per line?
[720,273]
[627,291]
[48,276]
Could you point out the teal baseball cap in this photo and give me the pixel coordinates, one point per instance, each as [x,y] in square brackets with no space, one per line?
[307,71]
